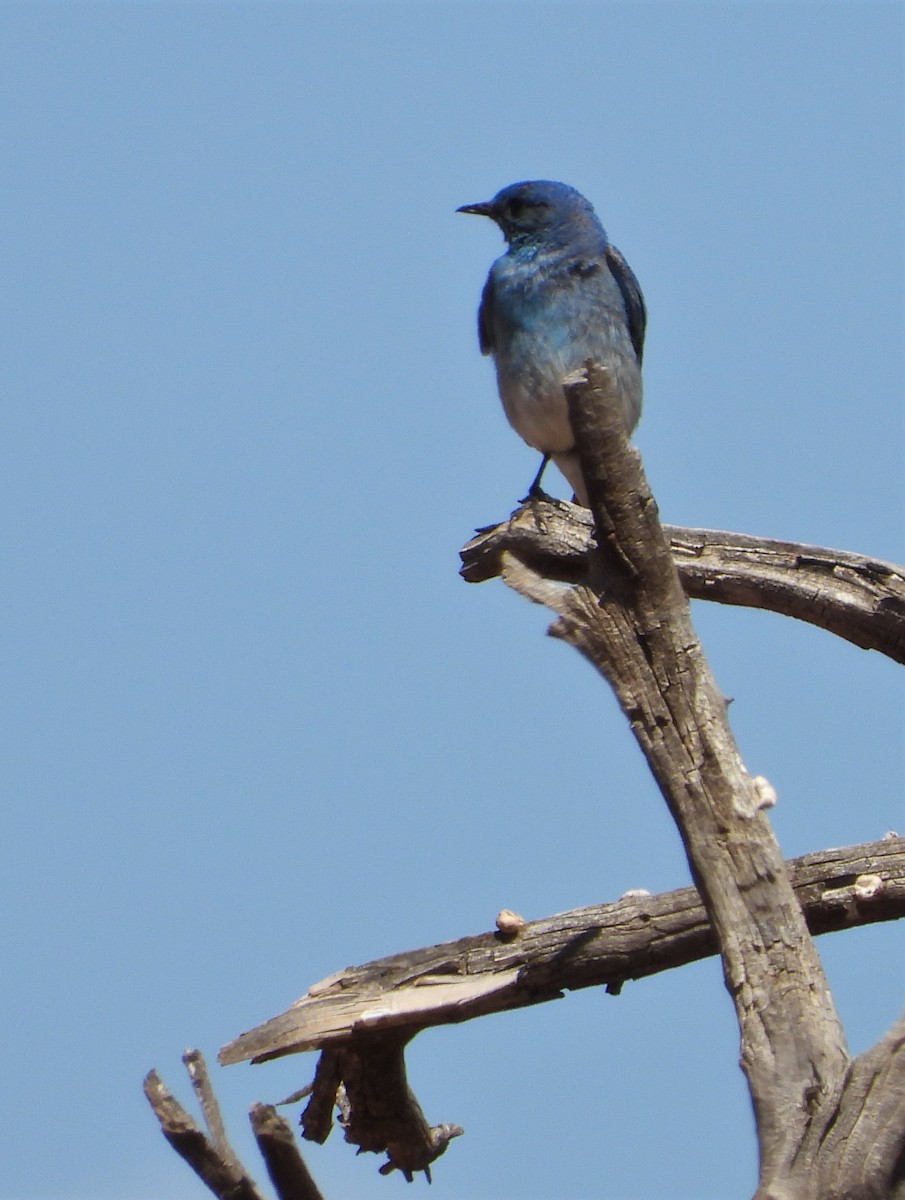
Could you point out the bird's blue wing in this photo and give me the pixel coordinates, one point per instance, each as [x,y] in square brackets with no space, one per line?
[631,295]
[485,323]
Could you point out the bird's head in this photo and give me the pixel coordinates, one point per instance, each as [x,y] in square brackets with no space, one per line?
[539,210]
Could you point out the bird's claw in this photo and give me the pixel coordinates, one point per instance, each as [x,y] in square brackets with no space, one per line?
[535,495]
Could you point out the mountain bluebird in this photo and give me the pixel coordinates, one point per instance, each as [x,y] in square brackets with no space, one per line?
[561,294]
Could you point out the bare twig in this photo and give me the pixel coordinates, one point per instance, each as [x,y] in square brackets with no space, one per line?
[210,1109]
[211,1156]
[287,1169]
[223,1178]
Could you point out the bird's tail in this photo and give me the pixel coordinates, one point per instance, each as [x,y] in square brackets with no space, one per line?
[569,465]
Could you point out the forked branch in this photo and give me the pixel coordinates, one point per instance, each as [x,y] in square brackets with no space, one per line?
[829,1128]
[209,1153]
[855,597]
[631,621]
[634,626]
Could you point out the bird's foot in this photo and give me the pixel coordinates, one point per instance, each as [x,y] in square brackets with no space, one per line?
[535,493]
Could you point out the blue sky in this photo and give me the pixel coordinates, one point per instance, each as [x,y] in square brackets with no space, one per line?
[256,727]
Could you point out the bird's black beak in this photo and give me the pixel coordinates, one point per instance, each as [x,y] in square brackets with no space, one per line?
[480,210]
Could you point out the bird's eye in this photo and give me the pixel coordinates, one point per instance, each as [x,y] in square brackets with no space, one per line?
[516,206]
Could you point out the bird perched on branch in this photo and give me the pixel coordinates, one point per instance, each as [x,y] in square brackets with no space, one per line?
[561,294]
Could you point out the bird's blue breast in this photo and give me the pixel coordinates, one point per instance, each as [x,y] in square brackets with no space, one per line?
[553,297]
[545,313]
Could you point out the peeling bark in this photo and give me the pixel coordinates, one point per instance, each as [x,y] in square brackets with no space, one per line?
[605,945]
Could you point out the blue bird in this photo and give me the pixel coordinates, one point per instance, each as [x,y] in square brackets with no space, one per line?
[561,294]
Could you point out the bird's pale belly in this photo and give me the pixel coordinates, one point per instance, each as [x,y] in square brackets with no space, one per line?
[535,403]
[538,414]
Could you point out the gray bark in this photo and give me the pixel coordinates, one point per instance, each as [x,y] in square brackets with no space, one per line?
[829,1127]
[603,945]
[858,598]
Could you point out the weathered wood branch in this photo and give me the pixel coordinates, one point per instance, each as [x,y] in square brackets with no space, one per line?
[858,1144]
[633,624]
[857,598]
[366,1079]
[221,1174]
[210,1154]
[362,1018]
[193,1061]
[602,945]
[287,1169]
[619,599]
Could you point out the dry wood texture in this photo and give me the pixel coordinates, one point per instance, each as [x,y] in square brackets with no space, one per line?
[829,1127]
[602,945]
[855,597]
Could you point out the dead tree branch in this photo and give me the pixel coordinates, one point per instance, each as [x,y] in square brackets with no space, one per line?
[362,1018]
[221,1174]
[194,1063]
[210,1154]
[366,1078]
[634,626]
[602,945]
[857,1144]
[857,598]
[828,1126]
[285,1166]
